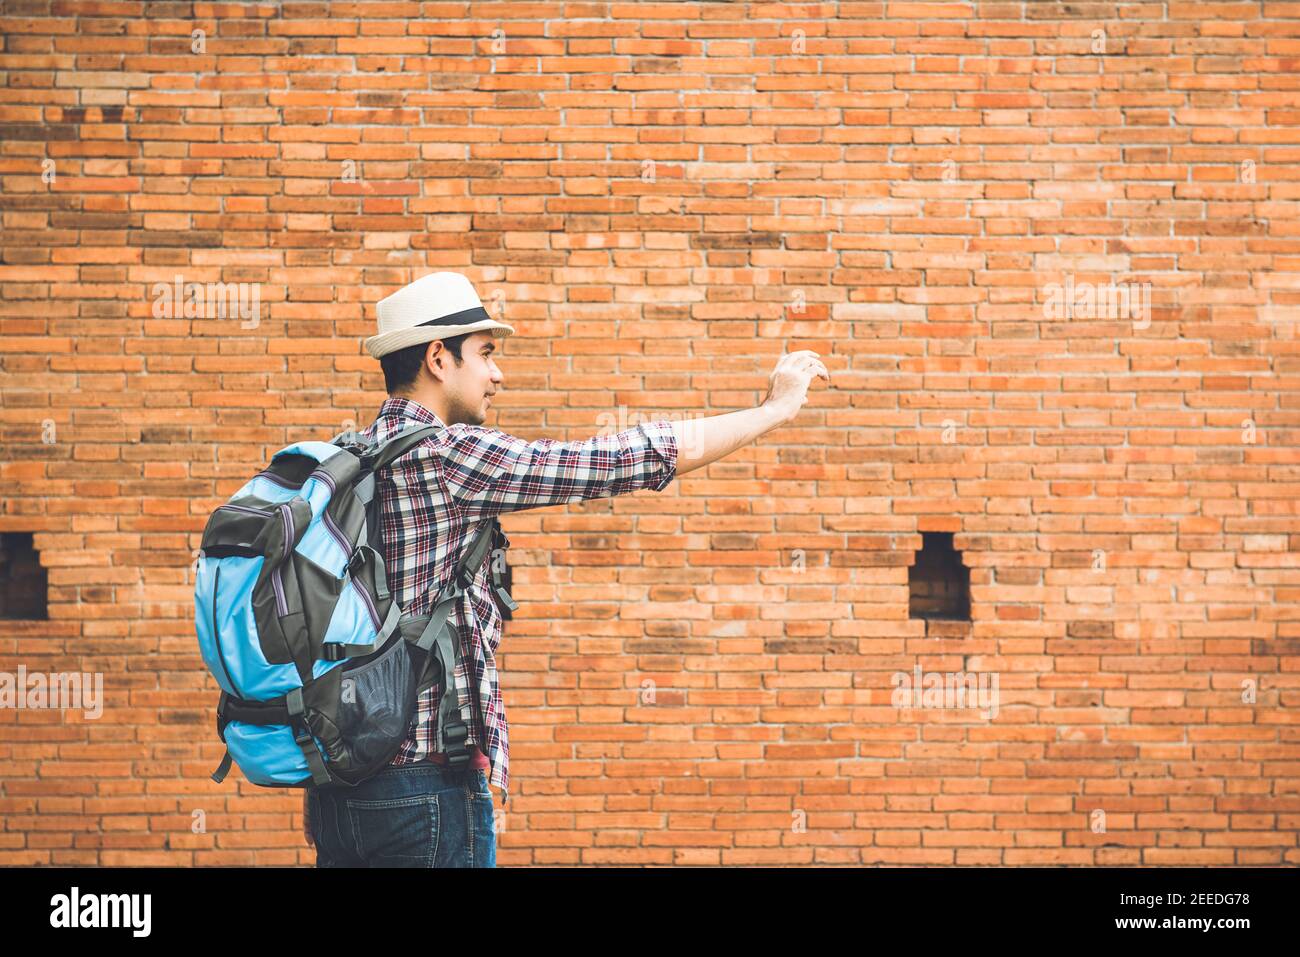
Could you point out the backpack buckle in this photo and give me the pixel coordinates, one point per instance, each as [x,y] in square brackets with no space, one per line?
[356,560]
[454,737]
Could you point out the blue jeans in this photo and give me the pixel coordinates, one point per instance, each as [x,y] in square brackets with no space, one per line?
[414,815]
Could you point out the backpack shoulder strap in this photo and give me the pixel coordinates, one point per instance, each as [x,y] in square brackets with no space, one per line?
[381,455]
[444,601]
[384,453]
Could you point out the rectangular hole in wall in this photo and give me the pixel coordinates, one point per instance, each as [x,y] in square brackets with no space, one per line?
[23,588]
[938,583]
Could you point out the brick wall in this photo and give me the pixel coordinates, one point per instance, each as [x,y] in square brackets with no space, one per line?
[661,198]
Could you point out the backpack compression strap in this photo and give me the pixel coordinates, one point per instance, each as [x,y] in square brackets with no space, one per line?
[452,733]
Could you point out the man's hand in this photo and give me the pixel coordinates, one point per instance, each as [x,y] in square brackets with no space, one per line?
[306,820]
[787,389]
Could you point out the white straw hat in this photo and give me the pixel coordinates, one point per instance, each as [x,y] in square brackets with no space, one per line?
[437,306]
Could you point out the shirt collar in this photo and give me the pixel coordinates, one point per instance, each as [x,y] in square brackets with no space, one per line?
[403,408]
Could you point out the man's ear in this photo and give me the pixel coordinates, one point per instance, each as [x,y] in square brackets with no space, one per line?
[435,357]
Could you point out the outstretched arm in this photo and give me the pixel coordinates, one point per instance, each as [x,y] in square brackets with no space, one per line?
[489,472]
[702,441]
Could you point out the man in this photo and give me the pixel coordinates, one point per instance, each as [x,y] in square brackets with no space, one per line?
[436,344]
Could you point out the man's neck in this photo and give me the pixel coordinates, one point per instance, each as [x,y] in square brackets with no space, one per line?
[430,402]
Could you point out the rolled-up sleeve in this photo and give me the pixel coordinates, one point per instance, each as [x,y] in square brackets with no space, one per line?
[489,472]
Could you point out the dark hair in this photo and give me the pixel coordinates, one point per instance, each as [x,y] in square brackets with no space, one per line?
[401,368]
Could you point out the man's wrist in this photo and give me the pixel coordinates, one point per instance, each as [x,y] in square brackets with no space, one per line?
[777,415]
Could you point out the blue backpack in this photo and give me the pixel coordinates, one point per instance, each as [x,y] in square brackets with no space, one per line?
[318,666]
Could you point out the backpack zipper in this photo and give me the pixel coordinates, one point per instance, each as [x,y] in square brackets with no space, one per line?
[329,523]
[333,529]
[245,508]
[282,482]
[216,635]
[280,603]
[370,605]
[286,519]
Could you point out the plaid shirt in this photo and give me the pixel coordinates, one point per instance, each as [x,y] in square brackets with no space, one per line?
[433,498]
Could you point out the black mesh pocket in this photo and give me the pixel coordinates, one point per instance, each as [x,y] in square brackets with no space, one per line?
[376,706]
